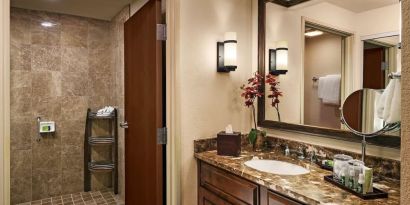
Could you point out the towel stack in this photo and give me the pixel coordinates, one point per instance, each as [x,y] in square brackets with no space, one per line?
[106,111]
[329,89]
[389,104]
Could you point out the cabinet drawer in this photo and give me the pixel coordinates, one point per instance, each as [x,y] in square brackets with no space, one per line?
[217,180]
[271,198]
[206,197]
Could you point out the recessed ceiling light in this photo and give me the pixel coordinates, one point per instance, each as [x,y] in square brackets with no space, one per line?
[47,24]
[313,33]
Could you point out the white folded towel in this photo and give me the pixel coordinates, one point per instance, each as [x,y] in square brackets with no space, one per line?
[389,104]
[106,111]
[329,89]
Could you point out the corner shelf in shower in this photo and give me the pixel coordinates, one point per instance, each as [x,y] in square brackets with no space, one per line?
[109,140]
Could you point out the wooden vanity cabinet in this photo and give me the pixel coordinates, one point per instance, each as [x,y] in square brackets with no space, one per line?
[219,187]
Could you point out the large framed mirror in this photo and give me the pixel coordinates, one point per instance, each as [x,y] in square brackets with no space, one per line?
[320,52]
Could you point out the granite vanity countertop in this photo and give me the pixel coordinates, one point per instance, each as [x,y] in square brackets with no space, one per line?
[309,188]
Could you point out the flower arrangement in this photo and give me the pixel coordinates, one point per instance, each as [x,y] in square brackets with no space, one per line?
[251,91]
[273,83]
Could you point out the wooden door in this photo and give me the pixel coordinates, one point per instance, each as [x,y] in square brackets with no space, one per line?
[144,170]
[373,74]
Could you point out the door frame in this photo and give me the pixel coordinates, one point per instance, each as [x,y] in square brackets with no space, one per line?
[5,102]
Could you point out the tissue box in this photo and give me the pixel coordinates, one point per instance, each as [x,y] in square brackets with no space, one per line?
[229,144]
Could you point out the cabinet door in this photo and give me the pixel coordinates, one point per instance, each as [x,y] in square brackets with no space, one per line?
[206,197]
[232,188]
[272,198]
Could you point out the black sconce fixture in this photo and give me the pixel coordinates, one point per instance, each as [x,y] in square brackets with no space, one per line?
[226,53]
[278,61]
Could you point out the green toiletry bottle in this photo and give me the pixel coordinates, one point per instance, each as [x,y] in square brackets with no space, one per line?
[351,179]
[360,184]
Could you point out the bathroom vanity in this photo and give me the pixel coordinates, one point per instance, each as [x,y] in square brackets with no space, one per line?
[226,180]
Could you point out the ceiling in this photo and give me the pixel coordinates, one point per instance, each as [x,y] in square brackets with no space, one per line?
[98,9]
[362,5]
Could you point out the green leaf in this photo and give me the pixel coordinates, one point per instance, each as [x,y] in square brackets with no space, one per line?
[252,136]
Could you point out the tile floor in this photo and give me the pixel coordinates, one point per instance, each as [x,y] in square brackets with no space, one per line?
[83,198]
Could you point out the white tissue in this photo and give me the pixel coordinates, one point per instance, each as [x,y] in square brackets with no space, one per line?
[106,111]
[228,129]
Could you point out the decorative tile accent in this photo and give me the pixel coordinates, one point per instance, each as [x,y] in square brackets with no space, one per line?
[83,198]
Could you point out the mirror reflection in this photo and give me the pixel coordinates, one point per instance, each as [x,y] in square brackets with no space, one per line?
[367,111]
[333,48]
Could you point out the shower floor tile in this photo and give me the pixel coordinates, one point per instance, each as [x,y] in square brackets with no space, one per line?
[83,198]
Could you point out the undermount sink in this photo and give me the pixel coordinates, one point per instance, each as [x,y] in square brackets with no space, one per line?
[276,167]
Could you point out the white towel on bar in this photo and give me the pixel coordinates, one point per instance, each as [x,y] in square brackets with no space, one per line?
[329,89]
[389,104]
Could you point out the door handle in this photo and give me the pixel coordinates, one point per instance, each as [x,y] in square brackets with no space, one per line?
[124,125]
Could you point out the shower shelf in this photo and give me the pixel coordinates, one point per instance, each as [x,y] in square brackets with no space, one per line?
[90,140]
[101,166]
[101,140]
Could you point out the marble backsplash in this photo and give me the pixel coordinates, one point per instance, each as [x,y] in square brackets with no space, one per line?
[382,167]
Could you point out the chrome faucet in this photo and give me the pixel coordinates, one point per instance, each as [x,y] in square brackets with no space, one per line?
[299,152]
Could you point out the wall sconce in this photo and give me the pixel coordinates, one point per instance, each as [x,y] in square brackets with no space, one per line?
[278,60]
[226,53]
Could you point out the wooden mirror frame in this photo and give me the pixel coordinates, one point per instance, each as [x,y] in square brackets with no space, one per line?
[382,140]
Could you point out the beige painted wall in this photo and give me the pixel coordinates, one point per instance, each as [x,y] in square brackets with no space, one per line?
[278,28]
[405,137]
[322,57]
[207,100]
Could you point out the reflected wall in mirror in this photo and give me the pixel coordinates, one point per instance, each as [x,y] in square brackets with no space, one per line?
[335,47]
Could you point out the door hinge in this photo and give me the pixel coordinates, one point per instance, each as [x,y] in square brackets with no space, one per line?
[162,134]
[161,32]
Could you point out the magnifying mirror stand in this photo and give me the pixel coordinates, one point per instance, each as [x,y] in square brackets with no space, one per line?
[363,148]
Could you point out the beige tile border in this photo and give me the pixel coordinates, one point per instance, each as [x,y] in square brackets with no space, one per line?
[5,102]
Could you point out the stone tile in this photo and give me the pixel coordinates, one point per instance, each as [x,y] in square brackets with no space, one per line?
[75,84]
[47,152]
[74,59]
[98,102]
[99,35]
[73,35]
[69,20]
[74,108]
[45,35]
[102,84]
[72,157]
[46,58]
[46,183]
[46,84]
[20,176]
[48,108]
[72,181]
[20,79]
[19,24]
[72,132]
[20,102]
[20,57]
[100,60]
[20,134]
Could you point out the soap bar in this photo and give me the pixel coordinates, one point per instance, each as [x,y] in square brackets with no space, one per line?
[229,144]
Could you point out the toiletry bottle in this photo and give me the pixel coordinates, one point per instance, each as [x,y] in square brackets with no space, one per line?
[351,179]
[343,176]
[360,184]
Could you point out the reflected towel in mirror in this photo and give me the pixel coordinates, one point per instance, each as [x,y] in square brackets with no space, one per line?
[329,89]
[389,104]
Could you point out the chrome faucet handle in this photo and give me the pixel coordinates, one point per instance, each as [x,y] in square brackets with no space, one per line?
[301,153]
[287,151]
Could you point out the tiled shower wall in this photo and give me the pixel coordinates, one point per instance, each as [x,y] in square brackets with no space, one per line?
[118,58]
[56,74]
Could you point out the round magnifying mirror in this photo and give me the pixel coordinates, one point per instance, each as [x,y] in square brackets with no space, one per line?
[365,112]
